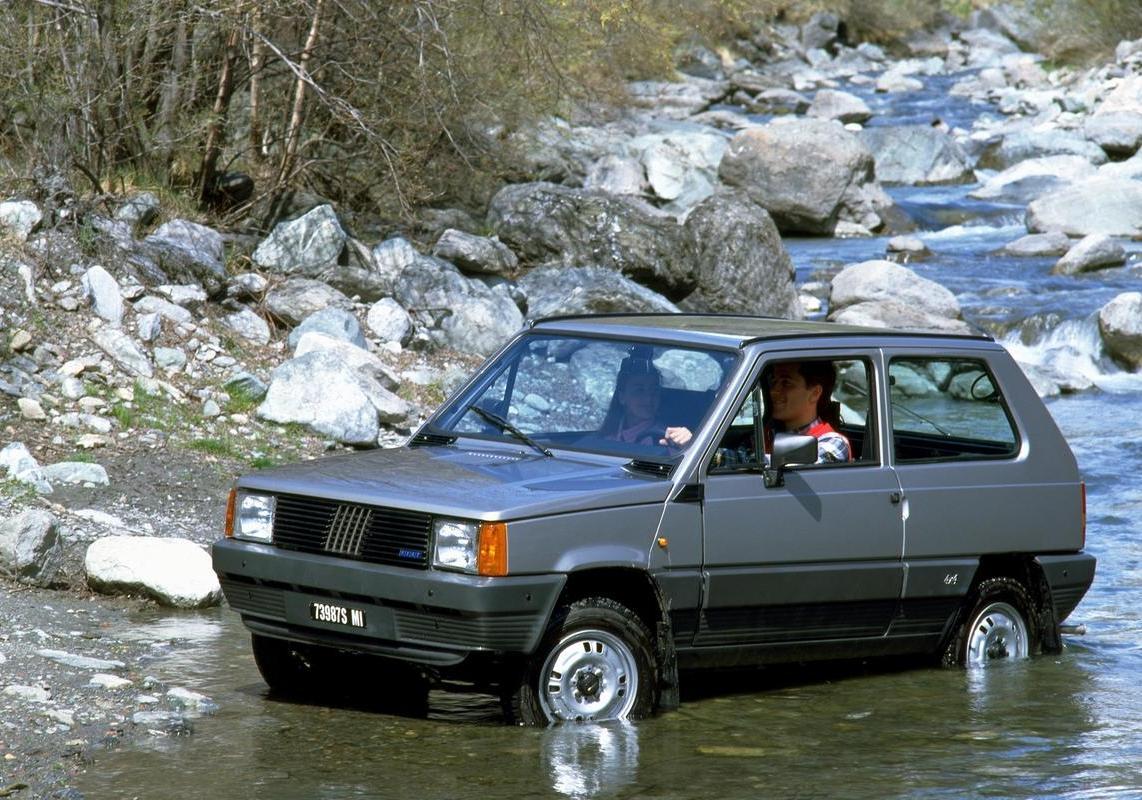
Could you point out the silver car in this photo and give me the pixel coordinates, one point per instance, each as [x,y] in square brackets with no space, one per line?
[612,498]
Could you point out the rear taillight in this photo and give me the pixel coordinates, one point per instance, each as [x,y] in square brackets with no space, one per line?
[1082,491]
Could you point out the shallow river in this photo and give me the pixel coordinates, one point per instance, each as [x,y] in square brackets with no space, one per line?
[1057,726]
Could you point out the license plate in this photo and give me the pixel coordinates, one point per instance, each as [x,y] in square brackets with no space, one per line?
[337,614]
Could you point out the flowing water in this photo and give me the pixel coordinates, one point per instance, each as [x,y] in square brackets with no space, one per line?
[1055,726]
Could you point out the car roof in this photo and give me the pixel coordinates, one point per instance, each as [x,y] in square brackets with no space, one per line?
[729,330]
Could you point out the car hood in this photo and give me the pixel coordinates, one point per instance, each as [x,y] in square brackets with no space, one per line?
[467,481]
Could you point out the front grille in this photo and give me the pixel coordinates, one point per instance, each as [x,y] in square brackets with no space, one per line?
[376,534]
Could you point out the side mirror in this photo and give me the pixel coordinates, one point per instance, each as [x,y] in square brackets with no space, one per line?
[789,449]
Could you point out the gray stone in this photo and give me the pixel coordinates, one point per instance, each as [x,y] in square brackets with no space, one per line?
[29,694]
[476,254]
[246,286]
[22,466]
[840,106]
[149,327]
[916,155]
[896,315]
[802,171]
[139,210]
[335,322]
[388,321]
[19,218]
[1028,179]
[543,222]
[169,358]
[305,246]
[1038,245]
[1023,145]
[742,265]
[1125,96]
[123,351]
[80,662]
[1120,325]
[1112,206]
[615,174]
[246,386]
[249,325]
[319,390]
[31,409]
[192,298]
[349,354]
[1119,133]
[188,250]
[1096,251]
[103,291]
[297,298]
[173,572]
[71,472]
[554,290]
[883,281]
[164,308]
[31,550]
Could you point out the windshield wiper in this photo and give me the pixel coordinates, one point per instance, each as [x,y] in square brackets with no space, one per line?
[504,425]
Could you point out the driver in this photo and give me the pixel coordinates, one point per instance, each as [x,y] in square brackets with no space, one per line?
[633,412]
[799,400]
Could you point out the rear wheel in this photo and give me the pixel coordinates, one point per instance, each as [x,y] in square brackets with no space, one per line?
[1000,626]
[595,663]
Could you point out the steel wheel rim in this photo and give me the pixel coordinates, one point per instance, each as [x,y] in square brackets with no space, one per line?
[590,675]
[998,633]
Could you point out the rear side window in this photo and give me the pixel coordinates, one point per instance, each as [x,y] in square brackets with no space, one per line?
[948,409]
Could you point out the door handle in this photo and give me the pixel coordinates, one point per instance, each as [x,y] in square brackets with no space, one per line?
[894,497]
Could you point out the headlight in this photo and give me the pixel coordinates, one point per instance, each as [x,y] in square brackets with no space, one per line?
[455,544]
[478,548]
[254,518]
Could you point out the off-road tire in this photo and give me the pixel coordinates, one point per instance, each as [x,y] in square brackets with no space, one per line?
[1002,597]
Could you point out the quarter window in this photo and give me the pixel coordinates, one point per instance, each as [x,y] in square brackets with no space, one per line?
[948,409]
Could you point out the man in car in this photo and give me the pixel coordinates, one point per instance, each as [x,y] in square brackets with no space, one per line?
[799,400]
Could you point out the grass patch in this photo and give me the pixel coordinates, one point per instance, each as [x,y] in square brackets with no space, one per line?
[18,492]
[155,411]
[263,462]
[214,446]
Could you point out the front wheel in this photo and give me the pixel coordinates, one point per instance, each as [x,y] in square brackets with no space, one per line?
[595,663]
[999,627]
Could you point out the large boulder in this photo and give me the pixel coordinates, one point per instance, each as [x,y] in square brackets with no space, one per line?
[335,322]
[884,294]
[306,246]
[543,222]
[1112,206]
[1120,324]
[19,218]
[555,290]
[174,572]
[30,548]
[742,265]
[185,252]
[475,254]
[680,163]
[916,155]
[1028,179]
[841,106]
[1096,251]
[320,390]
[804,172]
[1022,145]
[455,310]
[1119,133]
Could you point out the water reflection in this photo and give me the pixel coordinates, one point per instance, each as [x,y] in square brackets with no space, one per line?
[585,761]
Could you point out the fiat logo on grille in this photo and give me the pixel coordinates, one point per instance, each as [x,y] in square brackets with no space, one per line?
[346,533]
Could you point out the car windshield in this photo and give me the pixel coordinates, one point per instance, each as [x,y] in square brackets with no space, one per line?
[620,397]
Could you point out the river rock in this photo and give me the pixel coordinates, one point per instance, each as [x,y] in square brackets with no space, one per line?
[616,174]
[123,350]
[1054,243]
[31,409]
[883,282]
[388,321]
[103,291]
[1119,133]
[841,106]
[896,315]
[1022,145]
[1126,96]
[1112,206]
[349,354]
[306,246]
[802,171]
[80,662]
[31,550]
[677,99]
[475,254]
[555,290]
[544,222]
[335,322]
[19,218]
[1029,179]
[1120,325]
[297,298]
[164,308]
[916,155]
[1092,252]
[680,163]
[249,325]
[320,390]
[187,252]
[173,572]
[741,263]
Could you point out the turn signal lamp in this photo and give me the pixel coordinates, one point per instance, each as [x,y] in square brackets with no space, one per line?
[492,555]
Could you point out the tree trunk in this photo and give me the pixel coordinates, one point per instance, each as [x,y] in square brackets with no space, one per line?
[293,132]
[216,130]
[257,62]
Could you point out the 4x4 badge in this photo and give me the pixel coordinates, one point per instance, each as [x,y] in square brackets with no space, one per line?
[951,578]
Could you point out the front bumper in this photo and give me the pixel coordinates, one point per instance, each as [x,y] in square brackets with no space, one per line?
[430,617]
